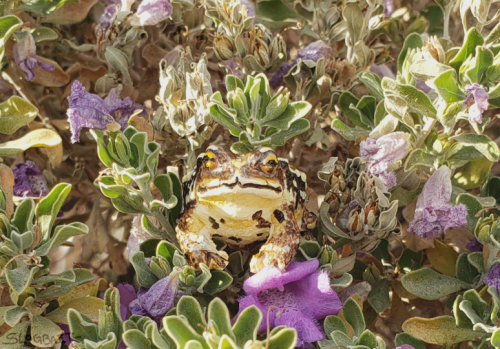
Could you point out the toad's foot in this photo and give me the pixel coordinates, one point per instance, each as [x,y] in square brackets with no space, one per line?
[212,259]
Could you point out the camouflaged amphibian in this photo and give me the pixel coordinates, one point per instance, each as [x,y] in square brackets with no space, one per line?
[241,200]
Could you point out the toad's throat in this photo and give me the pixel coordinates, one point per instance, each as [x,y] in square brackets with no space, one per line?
[239,184]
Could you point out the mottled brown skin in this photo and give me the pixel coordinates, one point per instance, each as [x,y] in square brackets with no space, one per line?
[241,200]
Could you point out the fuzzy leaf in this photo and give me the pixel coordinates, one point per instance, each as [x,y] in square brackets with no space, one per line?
[427,284]
[15,113]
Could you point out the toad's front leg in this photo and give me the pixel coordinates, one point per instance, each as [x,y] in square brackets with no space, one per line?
[197,245]
[282,243]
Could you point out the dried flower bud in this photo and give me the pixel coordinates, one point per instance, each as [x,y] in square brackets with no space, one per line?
[223,47]
[355,222]
[371,212]
[434,49]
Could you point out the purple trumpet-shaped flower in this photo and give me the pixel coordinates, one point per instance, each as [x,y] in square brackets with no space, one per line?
[384,151]
[159,299]
[107,15]
[477,102]
[152,12]
[474,245]
[388,7]
[25,57]
[249,7]
[29,181]
[312,52]
[302,294]
[434,214]
[87,110]
[492,278]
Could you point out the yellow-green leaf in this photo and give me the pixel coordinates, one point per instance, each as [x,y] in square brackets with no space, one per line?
[441,330]
[442,257]
[38,138]
[89,306]
[15,113]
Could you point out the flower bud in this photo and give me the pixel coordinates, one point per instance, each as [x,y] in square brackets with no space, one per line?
[355,223]
[371,213]
[434,49]
[187,275]
[261,52]
[223,47]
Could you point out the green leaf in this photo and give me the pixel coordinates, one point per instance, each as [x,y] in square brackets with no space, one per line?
[23,216]
[18,331]
[179,330]
[135,339]
[284,339]
[275,11]
[484,60]
[219,314]
[8,25]
[49,207]
[216,111]
[405,338]
[44,333]
[247,325]
[233,82]
[219,281]
[341,340]
[190,308]
[482,143]
[334,323]
[354,316]
[44,34]
[90,306]
[81,326]
[473,207]
[473,38]
[414,98]
[373,84]
[348,133]
[427,284]
[464,270]
[447,87]
[21,277]
[410,260]
[118,60]
[419,158]
[43,7]
[428,69]
[61,234]
[345,101]
[413,40]
[14,315]
[145,276]
[379,296]
[440,330]
[60,289]
[15,113]
[368,339]
[354,20]
[296,128]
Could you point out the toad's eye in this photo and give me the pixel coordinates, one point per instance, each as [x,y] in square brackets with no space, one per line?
[209,161]
[269,165]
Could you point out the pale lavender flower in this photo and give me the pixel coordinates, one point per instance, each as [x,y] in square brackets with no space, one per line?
[302,293]
[312,52]
[137,236]
[87,110]
[474,245]
[250,10]
[434,214]
[25,57]
[29,181]
[159,299]
[384,151]
[388,7]
[405,346]
[492,278]
[105,19]
[152,12]
[477,102]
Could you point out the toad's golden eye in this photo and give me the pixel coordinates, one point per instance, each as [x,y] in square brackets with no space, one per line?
[269,165]
[209,160]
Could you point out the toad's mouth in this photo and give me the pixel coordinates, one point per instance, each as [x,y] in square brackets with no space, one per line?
[202,189]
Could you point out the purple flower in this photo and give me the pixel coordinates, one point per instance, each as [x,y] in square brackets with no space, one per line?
[25,57]
[152,12]
[477,102]
[384,151]
[434,214]
[87,110]
[121,110]
[29,181]
[474,245]
[312,52]
[249,7]
[105,20]
[302,293]
[388,10]
[405,346]
[492,278]
[159,299]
